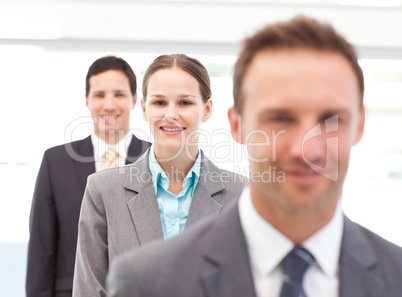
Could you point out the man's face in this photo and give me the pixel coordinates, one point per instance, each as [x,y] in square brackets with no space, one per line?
[110,102]
[301,116]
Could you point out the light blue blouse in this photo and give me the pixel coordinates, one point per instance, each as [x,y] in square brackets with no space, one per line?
[173,209]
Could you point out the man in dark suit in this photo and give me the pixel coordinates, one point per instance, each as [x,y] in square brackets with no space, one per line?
[298,92]
[110,97]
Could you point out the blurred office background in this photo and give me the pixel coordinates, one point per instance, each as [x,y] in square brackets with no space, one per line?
[46,48]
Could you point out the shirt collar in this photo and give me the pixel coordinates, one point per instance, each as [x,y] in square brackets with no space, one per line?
[159,176]
[157,173]
[100,146]
[325,245]
[263,239]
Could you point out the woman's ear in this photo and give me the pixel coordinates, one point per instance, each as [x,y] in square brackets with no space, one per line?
[207,110]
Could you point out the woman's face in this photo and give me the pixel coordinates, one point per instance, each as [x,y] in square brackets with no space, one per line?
[175,110]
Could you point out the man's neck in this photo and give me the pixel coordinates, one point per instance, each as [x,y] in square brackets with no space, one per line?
[112,137]
[295,225]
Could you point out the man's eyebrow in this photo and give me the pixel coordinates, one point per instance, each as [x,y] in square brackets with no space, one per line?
[274,111]
[266,112]
[277,110]
[334,112]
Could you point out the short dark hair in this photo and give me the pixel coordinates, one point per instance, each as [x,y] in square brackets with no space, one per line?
[184,62]
[300,32]
[111,63]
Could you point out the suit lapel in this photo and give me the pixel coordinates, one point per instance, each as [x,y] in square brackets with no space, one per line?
[360,272]
[136,149]
[203,204]
[82,154]
[143,206]
[227,258]
[83,159]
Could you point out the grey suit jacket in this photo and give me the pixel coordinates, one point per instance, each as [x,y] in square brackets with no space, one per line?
[120,211]
[212,260]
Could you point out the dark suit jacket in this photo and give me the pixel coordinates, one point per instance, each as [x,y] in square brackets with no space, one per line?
[54,215]
[212,260]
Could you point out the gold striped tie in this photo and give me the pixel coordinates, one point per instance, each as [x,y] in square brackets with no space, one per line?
[110,159]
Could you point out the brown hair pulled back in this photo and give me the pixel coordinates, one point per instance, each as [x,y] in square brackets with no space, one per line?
[184,62]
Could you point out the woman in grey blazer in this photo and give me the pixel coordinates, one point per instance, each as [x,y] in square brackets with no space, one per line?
[169,188]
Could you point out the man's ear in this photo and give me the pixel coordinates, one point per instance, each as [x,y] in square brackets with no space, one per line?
[362,122]
[144,112]
[134,100]
[235,125]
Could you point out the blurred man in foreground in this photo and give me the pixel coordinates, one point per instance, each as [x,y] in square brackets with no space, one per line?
[298,92]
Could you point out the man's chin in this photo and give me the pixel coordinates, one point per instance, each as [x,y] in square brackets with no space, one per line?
[308,201]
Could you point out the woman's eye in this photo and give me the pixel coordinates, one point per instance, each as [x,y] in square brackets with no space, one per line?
[185,103]
[119,95]
[159,103]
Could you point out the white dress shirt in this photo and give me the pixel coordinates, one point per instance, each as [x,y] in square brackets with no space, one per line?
[100,147]
[267,247]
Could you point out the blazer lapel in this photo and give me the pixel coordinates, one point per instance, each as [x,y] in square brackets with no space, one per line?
[360,272]
[228,272]
[83,159]
[143,206]
[203,204]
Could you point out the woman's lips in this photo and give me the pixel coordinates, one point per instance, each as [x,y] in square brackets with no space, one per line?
[172,130]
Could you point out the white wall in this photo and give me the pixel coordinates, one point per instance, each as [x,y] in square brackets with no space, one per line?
[215,23]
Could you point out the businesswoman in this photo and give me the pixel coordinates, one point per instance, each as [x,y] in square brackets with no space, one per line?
[169,188]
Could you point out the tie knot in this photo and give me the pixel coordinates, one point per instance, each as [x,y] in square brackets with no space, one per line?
[296,263]
[110,159]
[110,155]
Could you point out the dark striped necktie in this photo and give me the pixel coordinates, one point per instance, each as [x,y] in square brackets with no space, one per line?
[294,266]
